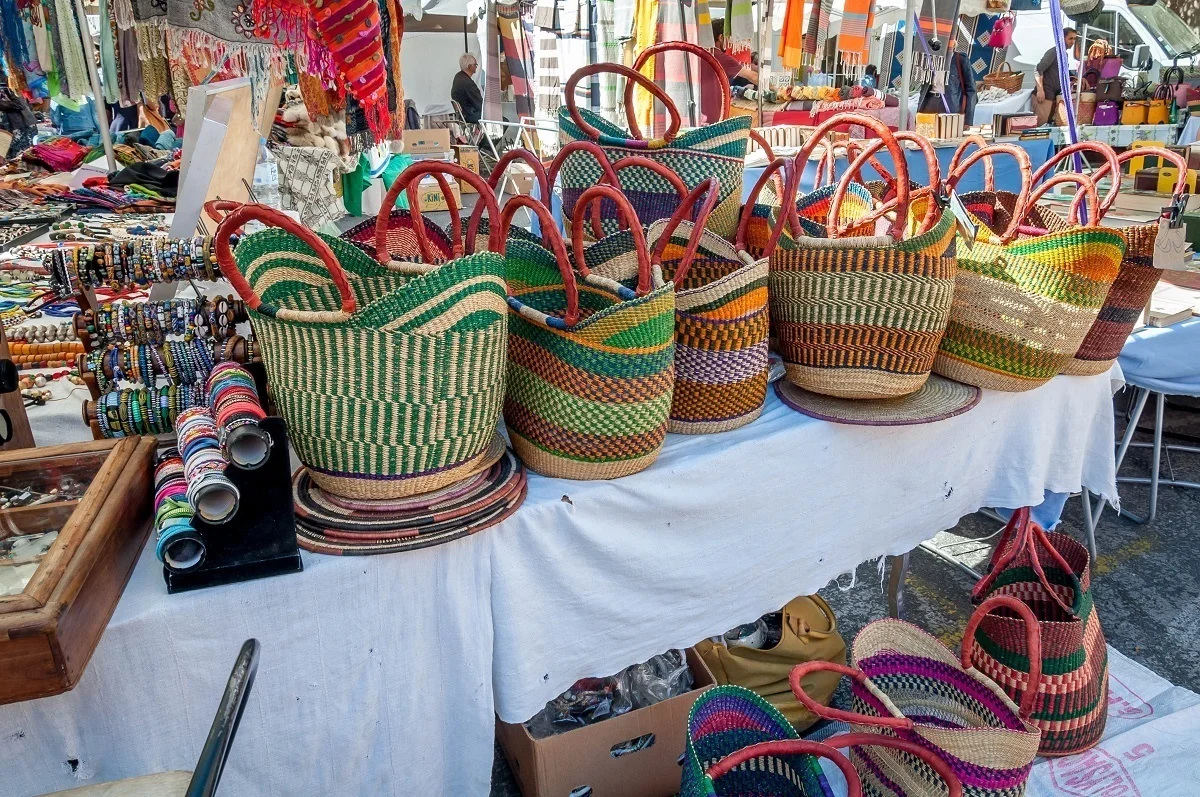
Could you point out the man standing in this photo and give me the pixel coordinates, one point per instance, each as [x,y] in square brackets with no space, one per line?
[1048,88]
[710,90]
[958,90]
[464,90]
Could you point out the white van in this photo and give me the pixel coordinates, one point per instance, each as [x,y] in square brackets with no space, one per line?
[1147,36]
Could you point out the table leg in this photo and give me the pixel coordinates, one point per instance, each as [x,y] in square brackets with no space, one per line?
[897,572]
[1089,521]
[1127,438]
[1159,402]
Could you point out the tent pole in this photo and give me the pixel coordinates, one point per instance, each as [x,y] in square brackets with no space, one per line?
[906,62]
[102,121]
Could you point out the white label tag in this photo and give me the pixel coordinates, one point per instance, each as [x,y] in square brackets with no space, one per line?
[962,218]
[1171,250]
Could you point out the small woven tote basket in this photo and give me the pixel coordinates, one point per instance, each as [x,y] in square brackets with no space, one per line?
[908,685]
[1134,285]
[720,318]
[861,316]
[590,365]
[1050,573]
[1022,306]
[715,150]
[390,386]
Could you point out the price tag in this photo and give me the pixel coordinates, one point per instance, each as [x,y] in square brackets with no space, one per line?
[962,219]
[1171,249]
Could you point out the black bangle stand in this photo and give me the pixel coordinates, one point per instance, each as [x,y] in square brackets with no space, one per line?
[259,540]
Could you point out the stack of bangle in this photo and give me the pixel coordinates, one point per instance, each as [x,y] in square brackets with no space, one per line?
[177,543]
[152,322]
[209,491]
[180,362]
[233,398]
[124,413]
[144,260]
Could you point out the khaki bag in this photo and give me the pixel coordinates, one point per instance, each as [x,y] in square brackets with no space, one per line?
[809,634]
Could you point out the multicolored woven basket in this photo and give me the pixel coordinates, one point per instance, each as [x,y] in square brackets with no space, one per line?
[1022,307]
[388,398]
[1050,573]
[861,317]
[716,150]
[907,684]
[1134,285]
[591,365]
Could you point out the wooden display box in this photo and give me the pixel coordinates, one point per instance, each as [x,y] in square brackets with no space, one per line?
[467,157]
[56,597]
[581,759]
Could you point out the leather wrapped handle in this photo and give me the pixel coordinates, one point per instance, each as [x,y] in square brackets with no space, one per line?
[1082,180]
[606,170]
[687,48]
[1110,155]
[217,209]
[237,218]
[758,138]
[550,234]
[629,75]
[862,158]
[1033,640]
[825,712]
[789,196]
[991,151]
[709,189]
[1025,535]
[989,169]
[643,162]
[784,747]
[1174,157]
[539,173]
[408,179]
[594,194]
[930,758]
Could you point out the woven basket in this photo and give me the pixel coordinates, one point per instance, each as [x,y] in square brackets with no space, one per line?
[908,685]
[1022,307]
[861,316]
[392,397]
[716,150]
[1050,573]
[1133,287]
[1004,78]
[590,367]
[739,745]
[720,317]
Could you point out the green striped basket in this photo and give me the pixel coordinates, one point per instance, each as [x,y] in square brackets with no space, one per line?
[590,365]
[391,386]
[716,150]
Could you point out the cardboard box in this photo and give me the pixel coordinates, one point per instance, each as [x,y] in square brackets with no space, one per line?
[561,765]
[468,158]
[426,142]
[430,197]
[519,179]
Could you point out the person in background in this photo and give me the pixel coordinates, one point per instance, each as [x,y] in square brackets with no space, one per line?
[870,78]
[1048,88]
[16,118]
[739,80]
[710,89]
[465,91]
[958,89]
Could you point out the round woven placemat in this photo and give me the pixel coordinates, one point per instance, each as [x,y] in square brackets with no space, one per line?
[332,524]
[937,400]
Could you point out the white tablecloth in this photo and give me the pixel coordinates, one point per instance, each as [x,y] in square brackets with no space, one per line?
[1119,135]
[380,675]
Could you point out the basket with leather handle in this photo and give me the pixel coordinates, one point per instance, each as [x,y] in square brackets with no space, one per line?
[907,685]
[1062,673]
[716,150]
[861,316]
[1022,306]
[1004,78]
[590,362]
[1135,282]
[390,385]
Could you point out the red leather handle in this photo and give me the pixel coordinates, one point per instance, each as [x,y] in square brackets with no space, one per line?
[684,211]
[593,194]
[1033,641]
[641,161]
[986,153]
[629,75]
[269,216]
[218,208]
[1181,184]
[409,179]
[1081,180]
[783,747]
[932,190]
[989,169]
[687,48]
[788,198]
[932,759]
[607,174]
[825,712]
[757,138]
[1110,156]
[539,173]
[550,234]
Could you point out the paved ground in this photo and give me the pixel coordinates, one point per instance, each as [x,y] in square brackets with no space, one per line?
[1147,579]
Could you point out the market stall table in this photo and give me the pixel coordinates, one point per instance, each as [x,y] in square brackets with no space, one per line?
[380,675]
[1118,135]
[1017,102]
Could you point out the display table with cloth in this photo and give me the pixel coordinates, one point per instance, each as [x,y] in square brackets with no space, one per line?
[1118,135]
[381,674]
[984,111]
[1006,179]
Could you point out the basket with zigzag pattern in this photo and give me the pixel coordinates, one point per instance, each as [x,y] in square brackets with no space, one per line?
[590,365]
[715,150]
[390,386]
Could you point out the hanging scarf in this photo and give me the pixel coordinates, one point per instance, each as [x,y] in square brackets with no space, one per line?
[545,15]
[41,42]
[608,50]
[704,31]
[518,54]
[108,56]
[73,72]
[549,88]
[811,32]
[490,31]
[395,79]
[351,31]
[289,24]
[50,15]
[678,73]
[645,35]
[156,77]
[129,67]
[16,50]
[624,14]
[937,18]
[852,39]
[739,25]
[791,38]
